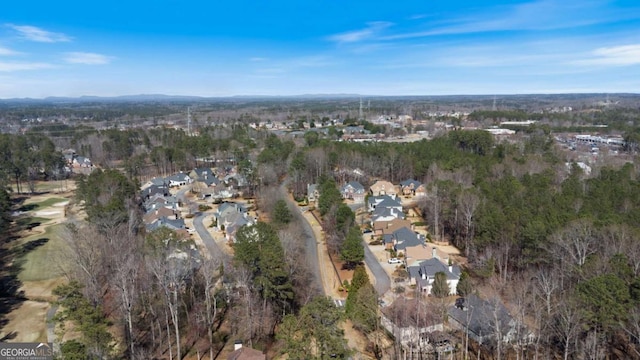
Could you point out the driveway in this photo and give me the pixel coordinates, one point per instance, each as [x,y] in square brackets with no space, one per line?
[383,283]
[207,239]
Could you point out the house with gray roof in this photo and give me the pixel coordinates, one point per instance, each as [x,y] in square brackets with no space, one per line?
[412,188]
[312,192]
[176,225]
[201,172]
[386,214]
[383,201]
[423,275]
[405,237]
[487,321]
[153,190]
[179,179]
[353,190]
[230,217]
[157,181]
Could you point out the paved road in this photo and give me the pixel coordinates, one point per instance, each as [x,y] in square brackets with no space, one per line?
[383,283]
[311,243]
[207,239]
[51,327]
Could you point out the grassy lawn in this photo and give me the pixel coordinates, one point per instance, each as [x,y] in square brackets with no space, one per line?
[40,255]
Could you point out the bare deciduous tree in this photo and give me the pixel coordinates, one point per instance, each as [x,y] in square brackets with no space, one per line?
[577,241]
[468,202]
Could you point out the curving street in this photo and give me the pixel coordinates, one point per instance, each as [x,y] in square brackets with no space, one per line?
[311,242]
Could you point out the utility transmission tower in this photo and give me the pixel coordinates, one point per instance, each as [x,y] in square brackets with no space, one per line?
[494,108]
[360,115]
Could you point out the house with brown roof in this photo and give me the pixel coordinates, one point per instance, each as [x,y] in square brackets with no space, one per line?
[388,227]
[382,187]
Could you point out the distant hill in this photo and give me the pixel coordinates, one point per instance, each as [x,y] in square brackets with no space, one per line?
[244,98]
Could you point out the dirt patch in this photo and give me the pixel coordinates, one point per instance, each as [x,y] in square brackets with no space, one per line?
[27,323]
[41,290]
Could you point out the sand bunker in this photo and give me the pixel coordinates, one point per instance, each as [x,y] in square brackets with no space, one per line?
[48,213]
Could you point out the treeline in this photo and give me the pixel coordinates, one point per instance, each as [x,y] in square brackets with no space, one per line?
[25,159]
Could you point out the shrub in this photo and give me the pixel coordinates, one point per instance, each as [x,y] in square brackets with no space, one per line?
[203,207]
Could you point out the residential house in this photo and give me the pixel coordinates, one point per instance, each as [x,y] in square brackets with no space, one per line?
[383,201]
[176,225]
[424,274]
[413,255]
[179,179]
[405,238]
[387,227]
[411,321]
[81,162]
[157,181]
[154,190]
[412,188]
[312,192]
[161,212]
[236,180]
[157,201]
[382,187]
[386,214]
[230,217]
[353,190]
[487,321]
[245,353]
[199,173]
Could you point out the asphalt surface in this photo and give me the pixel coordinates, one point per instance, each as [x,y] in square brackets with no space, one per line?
[311,243]
[383,283]
[207,239]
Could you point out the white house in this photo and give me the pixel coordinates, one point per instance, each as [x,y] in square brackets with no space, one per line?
[424,275]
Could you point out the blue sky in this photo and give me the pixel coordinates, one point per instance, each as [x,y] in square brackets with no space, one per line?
[220,48]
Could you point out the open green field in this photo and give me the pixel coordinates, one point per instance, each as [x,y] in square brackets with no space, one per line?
[41,256]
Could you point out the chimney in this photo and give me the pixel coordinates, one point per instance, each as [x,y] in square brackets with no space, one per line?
[434,253]
[451,269]
[237,345]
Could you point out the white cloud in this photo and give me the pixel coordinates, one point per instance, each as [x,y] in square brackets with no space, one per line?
[258,59]
[39,35]
[87,58]
[8,52]
[613,56]
[372,29]
[22,66]
[530,16]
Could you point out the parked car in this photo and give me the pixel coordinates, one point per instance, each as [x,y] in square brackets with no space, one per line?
[394,261]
